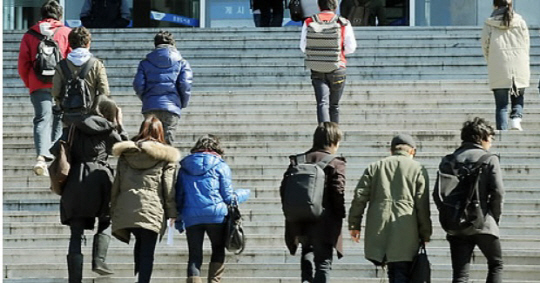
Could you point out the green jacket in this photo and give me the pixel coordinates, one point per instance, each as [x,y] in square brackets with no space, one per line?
[143,194]
[398,215]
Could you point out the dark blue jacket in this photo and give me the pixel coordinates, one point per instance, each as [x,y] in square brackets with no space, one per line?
[163,80]
[204,189]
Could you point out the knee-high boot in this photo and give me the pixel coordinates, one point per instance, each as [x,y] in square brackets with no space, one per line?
[215,271]
[75,267]
[99,254]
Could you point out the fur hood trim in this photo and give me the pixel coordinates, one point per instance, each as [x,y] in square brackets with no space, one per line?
[154,149]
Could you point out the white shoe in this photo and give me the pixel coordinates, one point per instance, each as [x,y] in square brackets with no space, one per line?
[40,169]
[515,124]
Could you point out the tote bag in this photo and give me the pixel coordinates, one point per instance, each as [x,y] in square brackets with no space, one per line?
[59,168]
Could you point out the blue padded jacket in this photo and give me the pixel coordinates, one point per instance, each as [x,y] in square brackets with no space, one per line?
[163,80]
[204,189]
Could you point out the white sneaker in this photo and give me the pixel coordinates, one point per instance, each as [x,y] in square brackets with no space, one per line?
[515,124]
[40,169]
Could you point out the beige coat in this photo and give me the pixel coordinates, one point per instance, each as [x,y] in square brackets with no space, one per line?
[398,215]
[143,194]
[506,50]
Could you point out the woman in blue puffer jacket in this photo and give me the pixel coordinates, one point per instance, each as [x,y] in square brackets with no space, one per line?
[203,191]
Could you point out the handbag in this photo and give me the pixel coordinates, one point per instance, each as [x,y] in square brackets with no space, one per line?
[359,14]
[235,240]
[421,268]
[59,168]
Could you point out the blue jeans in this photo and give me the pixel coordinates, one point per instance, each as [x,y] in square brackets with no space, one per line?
[399,272]
[328,90]
[316,256]
[168,120]
[195,239]
[501,106]
[47,125]
[461,249]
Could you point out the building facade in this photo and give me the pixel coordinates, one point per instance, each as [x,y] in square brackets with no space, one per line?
[20,14]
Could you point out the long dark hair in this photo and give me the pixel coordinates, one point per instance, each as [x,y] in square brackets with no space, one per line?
[508,13]
[151,130]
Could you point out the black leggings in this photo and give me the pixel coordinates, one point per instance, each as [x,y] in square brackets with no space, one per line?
[143,253]
[77,233]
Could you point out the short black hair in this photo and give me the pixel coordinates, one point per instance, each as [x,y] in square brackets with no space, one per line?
[325,5]
[164,37]
[51,9]
[79,37]
[476,131]
[326,134]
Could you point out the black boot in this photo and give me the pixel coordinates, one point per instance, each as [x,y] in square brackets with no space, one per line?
[75,265]
[99,253]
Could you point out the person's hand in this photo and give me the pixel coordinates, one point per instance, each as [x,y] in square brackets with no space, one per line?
[119,116]
[355,235]
[171,222]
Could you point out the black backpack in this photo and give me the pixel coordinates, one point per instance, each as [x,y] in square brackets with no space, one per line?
[76,96]
[47,56]
[295,7]
[302,189]
[456,193]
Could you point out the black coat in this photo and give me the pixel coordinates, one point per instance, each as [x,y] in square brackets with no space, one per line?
[88,188]
[328,228]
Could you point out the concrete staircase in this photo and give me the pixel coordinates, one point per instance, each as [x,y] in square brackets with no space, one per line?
[252,90]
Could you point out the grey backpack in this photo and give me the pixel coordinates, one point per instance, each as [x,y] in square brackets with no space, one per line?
[323,44]
[302,189]
[47,56]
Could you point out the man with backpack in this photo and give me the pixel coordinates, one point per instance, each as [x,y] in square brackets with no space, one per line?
[41,48]
[105,14]
[398,218]
[79,78]
[477,222]
[326,39]
[313,201]
[163,83]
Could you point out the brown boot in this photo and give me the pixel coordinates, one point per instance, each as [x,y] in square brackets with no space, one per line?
[194,279]
[215,271]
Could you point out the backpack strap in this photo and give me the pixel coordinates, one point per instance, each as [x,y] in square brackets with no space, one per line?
[482,159]
[36,34]
[86,67]
[39,35]
[65,69]
[327,159]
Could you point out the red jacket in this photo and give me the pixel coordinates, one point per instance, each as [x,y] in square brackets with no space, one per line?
[28,51]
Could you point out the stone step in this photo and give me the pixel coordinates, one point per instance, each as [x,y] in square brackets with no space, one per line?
[28,179]
[477,277]
[263,227]
[277,148]
[353,155]
[43,193]
[255,270]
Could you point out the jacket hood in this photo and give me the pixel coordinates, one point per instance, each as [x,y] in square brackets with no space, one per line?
[94,125]
[164,56]
[79,56]
[496,20]
[145,154]
[52,24]
[197,164]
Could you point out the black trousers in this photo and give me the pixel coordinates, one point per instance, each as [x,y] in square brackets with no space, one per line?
[399,272]
[143,253]
[461,249]
[195,238]
[316,260]
[77,232]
